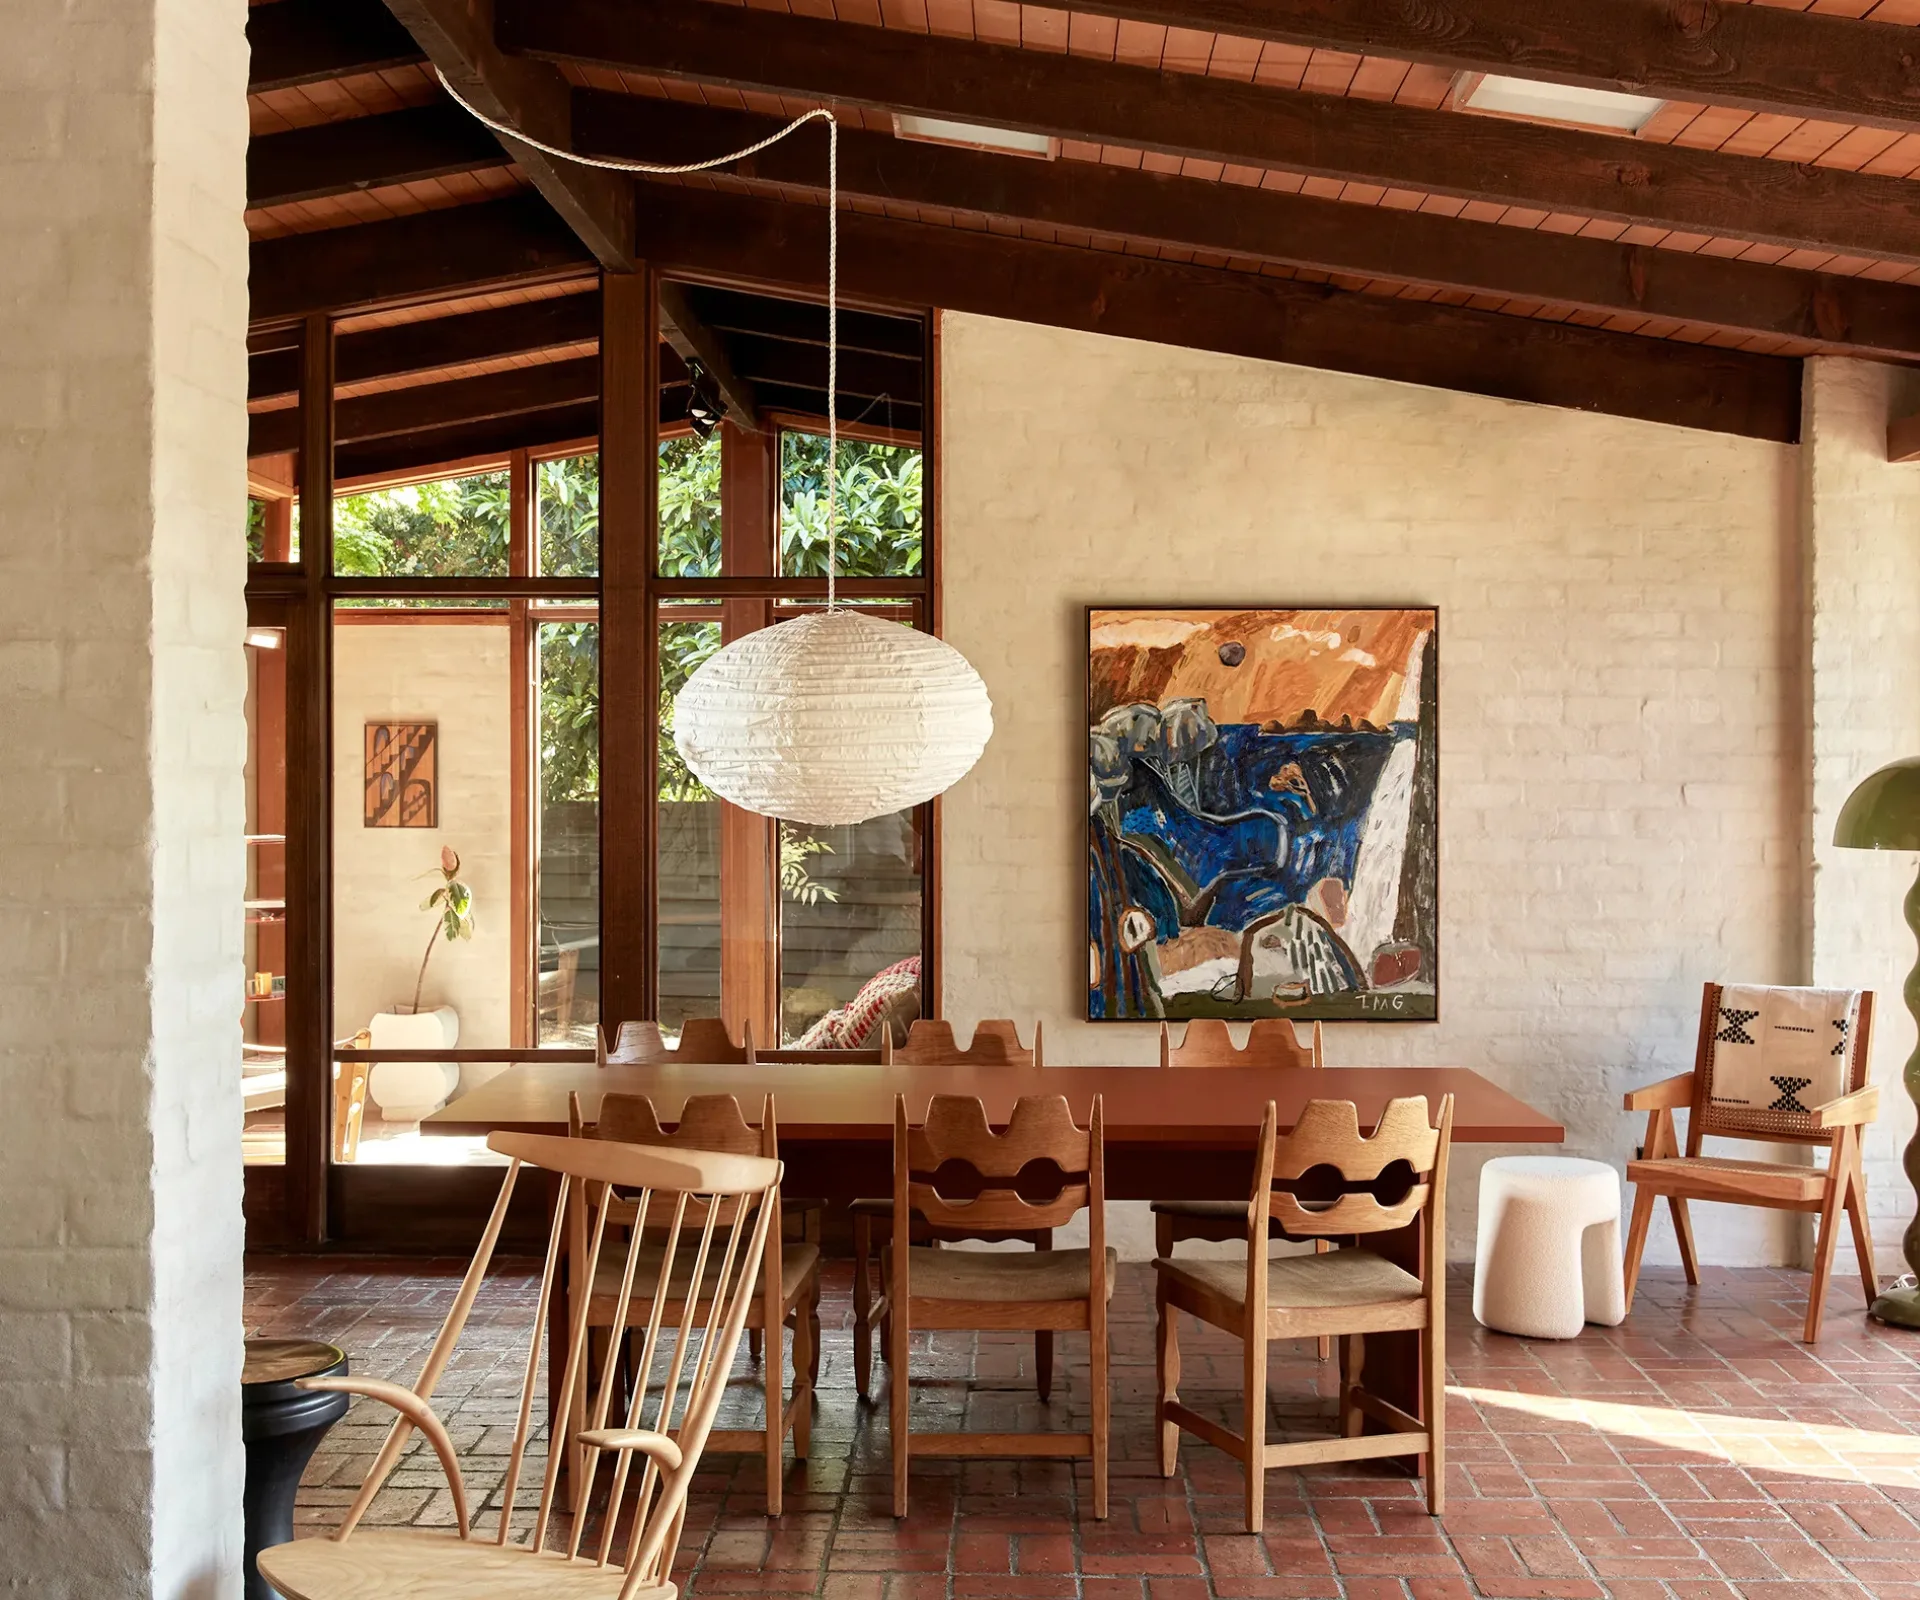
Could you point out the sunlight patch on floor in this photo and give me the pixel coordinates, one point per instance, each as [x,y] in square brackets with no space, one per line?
[1759,1444]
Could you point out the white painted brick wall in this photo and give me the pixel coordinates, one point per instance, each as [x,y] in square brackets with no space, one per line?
[1863,520]
[1620,647]
[122,437]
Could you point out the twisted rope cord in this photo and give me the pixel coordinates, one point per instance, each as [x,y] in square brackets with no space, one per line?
[623,164]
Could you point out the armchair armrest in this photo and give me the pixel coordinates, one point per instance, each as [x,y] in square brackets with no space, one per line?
[416,1411]
[1855,1110]
[656,1446]
[1670,1094]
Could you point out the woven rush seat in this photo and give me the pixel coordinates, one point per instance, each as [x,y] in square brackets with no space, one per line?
[379,1565]
[797,1263]
[1343,1280]
[1002,1277]
[1698,1173]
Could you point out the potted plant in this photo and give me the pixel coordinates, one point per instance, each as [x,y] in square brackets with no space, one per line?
[406,1091]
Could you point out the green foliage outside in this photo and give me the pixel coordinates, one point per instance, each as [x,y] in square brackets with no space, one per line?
[457,528]
[256,529]
[880,511]
[567,506]
[569,711]
[690,508]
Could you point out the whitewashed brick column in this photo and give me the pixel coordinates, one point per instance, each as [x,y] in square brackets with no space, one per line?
[1862,518]
[123,305]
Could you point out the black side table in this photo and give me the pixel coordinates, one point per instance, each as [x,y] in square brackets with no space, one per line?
[282,1426]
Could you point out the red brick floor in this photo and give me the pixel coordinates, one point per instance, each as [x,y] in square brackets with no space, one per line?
[1698,1452]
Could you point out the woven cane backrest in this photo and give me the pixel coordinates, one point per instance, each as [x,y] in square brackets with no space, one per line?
[1329,1181]
[1784,1109]
[959,1174]
[1271,1042]
[678,1376]
[930,1043]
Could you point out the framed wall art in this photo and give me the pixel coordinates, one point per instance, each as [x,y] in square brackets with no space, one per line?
[403,775]
[1263,821]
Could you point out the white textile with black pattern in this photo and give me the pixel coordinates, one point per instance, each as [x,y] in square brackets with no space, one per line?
[1781,1050]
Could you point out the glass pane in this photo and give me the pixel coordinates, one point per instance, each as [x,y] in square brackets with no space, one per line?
[567,990]
[453,528]
[423,831]
[849,908]
[880,512]
[690,507]
[263,1024]
[567,506]
[689,864]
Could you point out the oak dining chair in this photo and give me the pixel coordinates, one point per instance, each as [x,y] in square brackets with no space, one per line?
[714,1209]
[789,1285]
[930,1042]
[1324,1181]
[702,1039]
[1731,1097]
[956,1172]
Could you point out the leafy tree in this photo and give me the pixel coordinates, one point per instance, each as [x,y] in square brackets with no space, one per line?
[455,528]
[569,711]
[880,508]
[690,508]
[568,505]
[683,647]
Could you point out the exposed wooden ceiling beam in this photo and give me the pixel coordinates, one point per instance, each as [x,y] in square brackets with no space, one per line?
[1325,235]
[434,255]
[368,153]
[432,447]
[1758,57]
[1484,158]
[862,376]
[692,340]
[532,96]
[805,322]
[437,342]
[744,242]
[296,42]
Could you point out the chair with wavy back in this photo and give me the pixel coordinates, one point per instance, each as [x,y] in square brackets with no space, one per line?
[1383,1184]
[702,1039]
[715,1209]
[967,1180]
[789,1290]
[931,1043]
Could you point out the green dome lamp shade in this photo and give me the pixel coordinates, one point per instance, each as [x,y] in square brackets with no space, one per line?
[1883,813]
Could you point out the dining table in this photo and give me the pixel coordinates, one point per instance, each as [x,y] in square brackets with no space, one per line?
[1168,1133]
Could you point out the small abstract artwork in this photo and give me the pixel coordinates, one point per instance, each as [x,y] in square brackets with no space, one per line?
[403,775]
[1263,819]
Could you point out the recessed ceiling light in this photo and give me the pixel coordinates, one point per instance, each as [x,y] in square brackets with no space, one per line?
[1557,102]
[975,136]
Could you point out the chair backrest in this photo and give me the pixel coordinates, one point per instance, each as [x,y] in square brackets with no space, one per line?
[1767,1056]
[1271,1042]
[707,1122]
[721,1208]
[635,1042]
[702,1039]
[958,1173]
[1324,1180]
[930,1043]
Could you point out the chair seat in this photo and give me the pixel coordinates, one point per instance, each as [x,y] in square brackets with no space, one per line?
[1000,1277]
[1710,1175]
[1343,1282]
[798,1263]
[414,1564]
[1212,1210]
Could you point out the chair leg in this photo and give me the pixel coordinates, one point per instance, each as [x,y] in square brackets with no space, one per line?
[897,1397]
[1683,1231]
[773,1384]
[813,1334]
[1320,1248]
[1353,1365]
[1433,1343]
[1168,1339]
[1637,1242]
[862,1305]
[806,1359]
[1102,1418]
[753,1344]
[1823,1243]
[1862,1237]
[1043,1339]
[1254,1441]
[1163,1237]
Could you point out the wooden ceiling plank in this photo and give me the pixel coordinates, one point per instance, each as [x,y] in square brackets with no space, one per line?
[1326,235]
[430,256]
[333,158]
[1182,115]
[297,42]
[1757,57]
[750,242]
[414,453]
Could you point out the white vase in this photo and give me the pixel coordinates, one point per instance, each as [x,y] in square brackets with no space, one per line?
[406,1091]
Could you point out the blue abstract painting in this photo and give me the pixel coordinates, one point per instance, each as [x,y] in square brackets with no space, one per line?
[1262,800]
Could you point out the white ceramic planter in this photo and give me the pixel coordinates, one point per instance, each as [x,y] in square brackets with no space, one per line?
[406,1091]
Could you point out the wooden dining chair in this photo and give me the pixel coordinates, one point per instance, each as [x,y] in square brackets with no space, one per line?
[702,1039]
[930,1043]
[1207,1042]
[1787,1110]
[789,1287]
[1395,1180]
[960,1175]
[715,1210]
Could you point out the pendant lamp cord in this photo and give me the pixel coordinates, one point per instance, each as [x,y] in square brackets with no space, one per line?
[619,164]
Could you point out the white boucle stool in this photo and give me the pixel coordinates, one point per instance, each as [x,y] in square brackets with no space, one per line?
[1547,1261]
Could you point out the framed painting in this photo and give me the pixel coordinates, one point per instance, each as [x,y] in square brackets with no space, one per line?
[1262,813]
[403,775]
